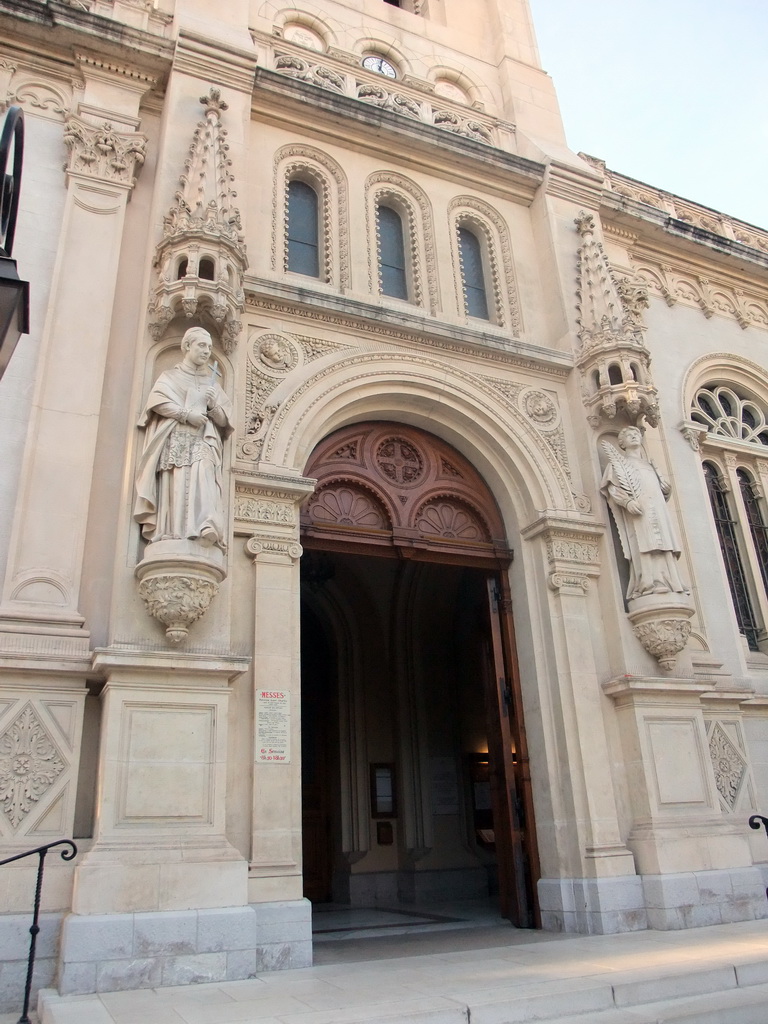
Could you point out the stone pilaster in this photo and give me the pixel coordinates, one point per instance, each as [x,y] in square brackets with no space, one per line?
[267,511]
[42,585]
[571,548]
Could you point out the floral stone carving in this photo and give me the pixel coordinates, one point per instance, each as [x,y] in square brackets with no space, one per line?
[728,764]
[29,765]
[664,639]
[177,600]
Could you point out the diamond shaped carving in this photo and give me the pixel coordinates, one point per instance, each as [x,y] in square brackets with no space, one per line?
[729,765]
[30,763]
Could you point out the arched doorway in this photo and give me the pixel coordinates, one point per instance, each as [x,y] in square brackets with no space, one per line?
[416,784]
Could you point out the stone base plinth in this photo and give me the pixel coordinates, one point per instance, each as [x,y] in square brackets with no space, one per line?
[698,898]
[114,952]
[693,899]
[592,906]
[14,950]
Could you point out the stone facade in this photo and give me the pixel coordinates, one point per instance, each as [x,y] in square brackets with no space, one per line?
[138,676]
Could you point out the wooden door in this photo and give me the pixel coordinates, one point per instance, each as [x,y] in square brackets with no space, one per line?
[510,775]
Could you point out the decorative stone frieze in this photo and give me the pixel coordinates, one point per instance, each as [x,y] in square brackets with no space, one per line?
[201,259]
[101,152]
[613,359]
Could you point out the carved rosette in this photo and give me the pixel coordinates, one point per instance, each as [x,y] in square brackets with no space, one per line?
[661,624]
[178,586]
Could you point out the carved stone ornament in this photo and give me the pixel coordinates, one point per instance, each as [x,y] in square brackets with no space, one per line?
[177,599]
[613,359]
[201,259]
[661,624]
[98,151]
[728,764]
[29,765]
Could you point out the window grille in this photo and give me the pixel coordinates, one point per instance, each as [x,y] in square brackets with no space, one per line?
[726,413]
[757,525]
[725,525]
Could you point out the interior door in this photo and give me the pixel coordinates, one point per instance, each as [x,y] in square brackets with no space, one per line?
[510,775]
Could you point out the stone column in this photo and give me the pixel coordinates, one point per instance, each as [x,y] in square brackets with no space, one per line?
[267,509]
[696,865]
[606,895]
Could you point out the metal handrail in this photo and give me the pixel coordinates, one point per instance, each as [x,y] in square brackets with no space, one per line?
[41,851]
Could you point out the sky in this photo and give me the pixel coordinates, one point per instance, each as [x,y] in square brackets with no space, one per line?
[671,92]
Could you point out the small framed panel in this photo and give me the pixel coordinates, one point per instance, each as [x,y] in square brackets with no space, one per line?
[383,792]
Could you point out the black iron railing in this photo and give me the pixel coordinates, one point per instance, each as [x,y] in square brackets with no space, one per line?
[755,821]
[67,854]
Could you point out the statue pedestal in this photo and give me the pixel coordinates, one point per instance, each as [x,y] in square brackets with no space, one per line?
[178,579]
[696,864]
[661,624]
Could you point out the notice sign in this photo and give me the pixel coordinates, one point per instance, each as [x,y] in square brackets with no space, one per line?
[273,738]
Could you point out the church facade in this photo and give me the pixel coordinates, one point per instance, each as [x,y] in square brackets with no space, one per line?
[383,496]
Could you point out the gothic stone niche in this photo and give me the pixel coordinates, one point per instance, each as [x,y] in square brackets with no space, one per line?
[388,485]
[658,599]
[179,488]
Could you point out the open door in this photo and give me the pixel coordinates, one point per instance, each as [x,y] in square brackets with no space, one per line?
[510,774]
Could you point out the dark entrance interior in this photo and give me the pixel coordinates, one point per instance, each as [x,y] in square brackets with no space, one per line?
[415,772]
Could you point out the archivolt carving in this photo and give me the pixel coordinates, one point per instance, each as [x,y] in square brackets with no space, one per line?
[479,216]
[365,366]
[556,367]
[308,164]
[271,358]
[406,196]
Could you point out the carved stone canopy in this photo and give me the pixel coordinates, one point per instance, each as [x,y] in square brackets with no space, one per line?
[614,362]
[201,259]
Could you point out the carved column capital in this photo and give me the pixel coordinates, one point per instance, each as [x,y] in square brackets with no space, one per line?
[273,549]
[104,153]
[569,582]
[572,548]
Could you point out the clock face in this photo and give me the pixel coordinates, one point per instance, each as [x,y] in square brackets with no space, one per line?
[380,66]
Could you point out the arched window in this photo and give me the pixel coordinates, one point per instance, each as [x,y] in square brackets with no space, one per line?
[727,535]
[473,275]
[206,270]
[393,276]
[757,525]
[302,235]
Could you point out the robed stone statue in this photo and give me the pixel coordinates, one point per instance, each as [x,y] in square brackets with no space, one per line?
[179,493]
[638,495]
